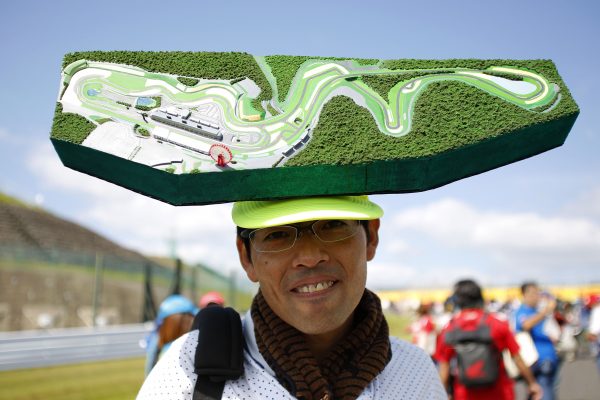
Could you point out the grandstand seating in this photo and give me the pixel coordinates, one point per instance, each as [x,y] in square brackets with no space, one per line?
[29,227]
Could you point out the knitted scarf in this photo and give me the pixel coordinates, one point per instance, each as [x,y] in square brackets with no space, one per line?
[344,372]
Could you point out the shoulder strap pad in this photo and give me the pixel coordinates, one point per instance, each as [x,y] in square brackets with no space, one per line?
[219,355]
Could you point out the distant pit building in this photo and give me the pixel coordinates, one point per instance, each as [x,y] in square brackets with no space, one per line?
[183,118]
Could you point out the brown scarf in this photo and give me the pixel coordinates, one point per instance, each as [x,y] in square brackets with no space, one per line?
[346,370]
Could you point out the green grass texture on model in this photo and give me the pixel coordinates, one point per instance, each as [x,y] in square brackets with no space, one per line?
[233,126]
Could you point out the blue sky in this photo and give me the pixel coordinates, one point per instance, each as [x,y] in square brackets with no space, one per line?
[536,219]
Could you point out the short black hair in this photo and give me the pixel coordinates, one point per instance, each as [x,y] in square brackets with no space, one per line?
[526,285]
[246,239]
[467,294]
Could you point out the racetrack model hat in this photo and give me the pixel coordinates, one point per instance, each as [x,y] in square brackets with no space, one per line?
[264,158]
[262,214]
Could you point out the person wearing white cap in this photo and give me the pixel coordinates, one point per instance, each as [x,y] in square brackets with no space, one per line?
[314,331]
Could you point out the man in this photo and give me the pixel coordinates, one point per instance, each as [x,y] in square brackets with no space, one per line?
[468,298]
[530,319]
[314,331]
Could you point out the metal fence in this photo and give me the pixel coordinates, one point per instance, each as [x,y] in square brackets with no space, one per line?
[31,349]
[91,284]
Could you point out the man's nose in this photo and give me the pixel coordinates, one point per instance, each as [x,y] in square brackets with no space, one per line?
[309,251]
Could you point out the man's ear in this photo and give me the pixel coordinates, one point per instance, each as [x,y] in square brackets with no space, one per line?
[373,238]
[245,260]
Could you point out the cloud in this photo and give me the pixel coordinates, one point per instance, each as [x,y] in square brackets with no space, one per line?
[393,275]
[509,237]
[396,246]
[380,274]
[201,234]
[43,161]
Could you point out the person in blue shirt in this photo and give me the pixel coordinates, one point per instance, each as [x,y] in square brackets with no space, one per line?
[530,317]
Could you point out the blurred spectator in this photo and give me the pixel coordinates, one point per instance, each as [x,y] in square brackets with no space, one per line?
[423,329]
[536,316]
[594,327]
[175,317]
[567,345]
[507,310]
[463,339]
[446,315]
[494,306]
[211,298]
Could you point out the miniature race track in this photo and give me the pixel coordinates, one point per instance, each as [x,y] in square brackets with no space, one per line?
[154,119]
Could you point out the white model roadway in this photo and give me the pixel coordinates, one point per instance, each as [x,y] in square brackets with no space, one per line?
[93,87]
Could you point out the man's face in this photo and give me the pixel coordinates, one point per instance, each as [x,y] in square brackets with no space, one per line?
[531,296]
[314,286]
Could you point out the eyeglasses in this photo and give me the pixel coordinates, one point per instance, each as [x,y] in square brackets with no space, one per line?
[281,238]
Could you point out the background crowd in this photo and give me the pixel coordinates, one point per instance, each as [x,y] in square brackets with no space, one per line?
[548,331]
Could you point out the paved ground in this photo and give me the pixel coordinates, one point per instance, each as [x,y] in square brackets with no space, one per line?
[579,380]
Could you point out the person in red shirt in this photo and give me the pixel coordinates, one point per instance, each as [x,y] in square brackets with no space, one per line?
[468,298]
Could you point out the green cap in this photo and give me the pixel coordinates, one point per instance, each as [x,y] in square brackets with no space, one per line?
[262,214]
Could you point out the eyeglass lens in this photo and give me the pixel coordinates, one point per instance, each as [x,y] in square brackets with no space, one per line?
[279,238]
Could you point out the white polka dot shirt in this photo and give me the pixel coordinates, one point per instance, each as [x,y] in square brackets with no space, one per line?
[410,375]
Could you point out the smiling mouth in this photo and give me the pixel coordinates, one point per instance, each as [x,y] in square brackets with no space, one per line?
[313,288]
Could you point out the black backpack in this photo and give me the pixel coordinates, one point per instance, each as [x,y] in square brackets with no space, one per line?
[477,358]
[220,352]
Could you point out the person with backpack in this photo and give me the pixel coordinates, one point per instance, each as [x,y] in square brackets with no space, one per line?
[313,331]
[472,344]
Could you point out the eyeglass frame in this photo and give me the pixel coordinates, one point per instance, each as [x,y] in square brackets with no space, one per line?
[244,234]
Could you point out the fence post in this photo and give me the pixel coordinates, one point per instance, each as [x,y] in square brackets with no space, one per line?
[149,308]
[97,296]
[232,288]
[193,270]
[176,289]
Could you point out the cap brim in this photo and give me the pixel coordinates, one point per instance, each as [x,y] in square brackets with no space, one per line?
[262,214]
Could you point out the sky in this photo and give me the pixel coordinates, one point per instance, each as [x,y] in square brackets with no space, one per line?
[536,219]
